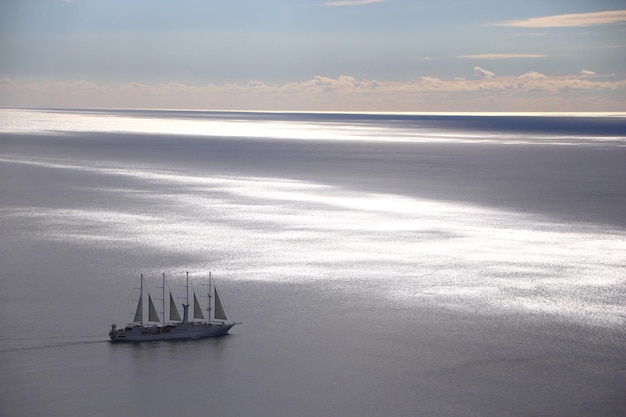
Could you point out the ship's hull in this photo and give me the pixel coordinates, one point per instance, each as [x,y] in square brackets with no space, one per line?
[180,331]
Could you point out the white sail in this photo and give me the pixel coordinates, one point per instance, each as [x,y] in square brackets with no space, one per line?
[220,314]
[152,313]
[197,310]
[174,316]
[139,313]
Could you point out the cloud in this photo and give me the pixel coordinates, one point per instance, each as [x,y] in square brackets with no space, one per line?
[570,20]
[256,84]
[502,56]
[4,82]
[615,46]
[340,84]
[352,2]
[483,73]
[532,75]
[531,91]
[587,73]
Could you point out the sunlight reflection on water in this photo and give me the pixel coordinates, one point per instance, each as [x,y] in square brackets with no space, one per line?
[51,122]
[454,255]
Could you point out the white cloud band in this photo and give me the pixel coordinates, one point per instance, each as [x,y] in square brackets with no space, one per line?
[570,20]
[531,91]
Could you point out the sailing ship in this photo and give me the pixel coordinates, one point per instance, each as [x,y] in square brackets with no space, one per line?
[217,322]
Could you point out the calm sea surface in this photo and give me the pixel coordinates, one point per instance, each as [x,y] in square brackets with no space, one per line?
[382,265]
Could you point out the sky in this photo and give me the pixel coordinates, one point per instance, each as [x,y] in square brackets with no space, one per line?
[315,55]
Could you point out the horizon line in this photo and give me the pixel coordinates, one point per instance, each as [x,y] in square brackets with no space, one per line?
[347,112]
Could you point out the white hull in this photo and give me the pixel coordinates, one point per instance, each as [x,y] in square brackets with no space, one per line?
[180,331]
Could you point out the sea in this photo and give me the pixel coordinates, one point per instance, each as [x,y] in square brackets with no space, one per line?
[379,264]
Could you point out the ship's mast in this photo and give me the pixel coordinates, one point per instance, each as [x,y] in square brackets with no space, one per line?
[163,313]
[210,297]
[186,306]
[141,297]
